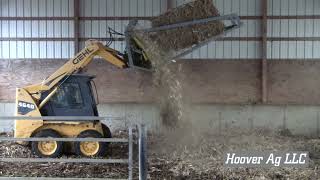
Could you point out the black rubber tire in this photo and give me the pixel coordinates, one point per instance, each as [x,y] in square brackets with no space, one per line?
[92,134]
[47,133]
[106,131]
[107,134]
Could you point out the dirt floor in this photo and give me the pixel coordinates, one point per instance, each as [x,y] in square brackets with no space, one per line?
[187,156]
[117,151]
[199,156]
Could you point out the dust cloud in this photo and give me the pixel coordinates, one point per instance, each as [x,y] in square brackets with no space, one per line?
[181,144]
[169,78]
[161,46]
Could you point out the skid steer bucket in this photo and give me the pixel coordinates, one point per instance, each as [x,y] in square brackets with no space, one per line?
[175,33]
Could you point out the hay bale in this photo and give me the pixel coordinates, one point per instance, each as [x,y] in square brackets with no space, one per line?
[191,11]
[181,38]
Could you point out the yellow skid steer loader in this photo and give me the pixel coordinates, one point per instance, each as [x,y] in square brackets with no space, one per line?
[65,93]
[68,93]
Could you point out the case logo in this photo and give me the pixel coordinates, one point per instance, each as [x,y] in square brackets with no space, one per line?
[25,107]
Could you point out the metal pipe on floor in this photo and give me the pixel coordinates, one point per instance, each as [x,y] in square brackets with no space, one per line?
[130,154]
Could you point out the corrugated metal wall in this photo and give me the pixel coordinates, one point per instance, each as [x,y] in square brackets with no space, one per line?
[28,32]
[234,48]
[24,37]
[115,9]
[300,36]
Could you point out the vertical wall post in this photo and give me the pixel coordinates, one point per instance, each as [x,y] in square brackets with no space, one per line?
[264,65]
[76,15]
[142,153]
[169,4]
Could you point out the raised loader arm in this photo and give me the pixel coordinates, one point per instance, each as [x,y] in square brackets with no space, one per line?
[80,61]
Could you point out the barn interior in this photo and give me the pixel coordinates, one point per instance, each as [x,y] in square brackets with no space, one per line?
[246,81]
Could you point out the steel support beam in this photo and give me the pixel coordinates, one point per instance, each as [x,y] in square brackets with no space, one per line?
[264,65]
[126,18]
[35,39]
[295,17]
[275,60]
[122,39]
[76,25]
[169,4]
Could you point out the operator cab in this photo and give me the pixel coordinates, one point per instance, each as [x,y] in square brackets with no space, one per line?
[74,97]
